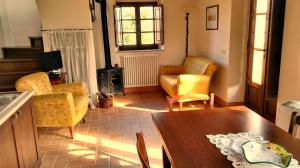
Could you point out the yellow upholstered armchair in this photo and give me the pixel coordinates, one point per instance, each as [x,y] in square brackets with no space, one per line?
[55,106]
[190,82]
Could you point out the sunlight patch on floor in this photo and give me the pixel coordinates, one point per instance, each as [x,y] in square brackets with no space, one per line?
[78,150]
[85,138]
[131,161]
[123,163]
[86,153]
[152,152]
[107,138]
[126,105]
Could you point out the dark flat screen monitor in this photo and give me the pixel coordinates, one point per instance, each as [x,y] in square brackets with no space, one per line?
[51,61]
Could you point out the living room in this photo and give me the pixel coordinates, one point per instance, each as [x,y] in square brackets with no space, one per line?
[174,75]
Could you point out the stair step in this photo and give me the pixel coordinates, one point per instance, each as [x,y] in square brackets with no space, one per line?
[4,88]
[19,65]
[21,52]
[8,80]
[11,79]
[20,73]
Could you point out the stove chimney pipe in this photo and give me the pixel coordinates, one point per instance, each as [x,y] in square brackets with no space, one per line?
[105,34]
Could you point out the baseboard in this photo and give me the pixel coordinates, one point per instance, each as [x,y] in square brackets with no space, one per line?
[223,103]
[142,89]
[145,89]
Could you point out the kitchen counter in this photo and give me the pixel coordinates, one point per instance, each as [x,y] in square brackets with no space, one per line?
[18,132]
[10,102]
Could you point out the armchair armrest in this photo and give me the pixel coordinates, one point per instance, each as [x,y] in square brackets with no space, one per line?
[54,110]
[171,70]
[77,89]
[193,84]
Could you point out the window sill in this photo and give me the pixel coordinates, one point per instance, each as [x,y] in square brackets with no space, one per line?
[140,51]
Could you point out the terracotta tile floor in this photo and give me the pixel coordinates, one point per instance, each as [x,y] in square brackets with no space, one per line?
[107,139]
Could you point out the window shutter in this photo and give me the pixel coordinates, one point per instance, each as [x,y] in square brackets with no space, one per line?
[118,26]
[158,24]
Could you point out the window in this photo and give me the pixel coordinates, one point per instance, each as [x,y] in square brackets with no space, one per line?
[260,36]
[138,26]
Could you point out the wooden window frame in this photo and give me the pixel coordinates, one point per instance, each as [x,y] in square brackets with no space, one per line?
[251,41]
[139,45]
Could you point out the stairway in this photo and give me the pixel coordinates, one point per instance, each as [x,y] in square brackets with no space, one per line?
[17,62]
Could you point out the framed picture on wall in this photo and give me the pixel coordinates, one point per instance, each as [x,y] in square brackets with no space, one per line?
[212,17]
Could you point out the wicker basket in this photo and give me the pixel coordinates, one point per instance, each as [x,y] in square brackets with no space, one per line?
[105,102]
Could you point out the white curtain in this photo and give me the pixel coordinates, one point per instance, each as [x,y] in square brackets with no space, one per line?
[77,50]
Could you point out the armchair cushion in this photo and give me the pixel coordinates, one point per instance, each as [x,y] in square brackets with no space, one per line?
[61,106]
[54,110]
[186,87]
[196,64]
[172,70]
[77,89]
[169,84]
[189,82]
[81,107]
[38,82]
[211,69]
[192,83]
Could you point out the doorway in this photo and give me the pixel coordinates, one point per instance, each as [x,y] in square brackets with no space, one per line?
[264,56]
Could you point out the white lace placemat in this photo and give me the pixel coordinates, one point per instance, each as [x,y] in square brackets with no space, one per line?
[230,146]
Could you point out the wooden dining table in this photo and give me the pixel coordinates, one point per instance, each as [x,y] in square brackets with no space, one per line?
[184,140]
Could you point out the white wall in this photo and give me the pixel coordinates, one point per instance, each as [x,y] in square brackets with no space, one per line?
[226,46]
[64,14]
[240,11]
[4,26]
[1,38]
[289,82]
[19,19]
[174,23]
[215,43]
[71,14]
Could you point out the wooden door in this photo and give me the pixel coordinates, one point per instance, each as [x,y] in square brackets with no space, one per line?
[264,56]
[8,152]
[257,54]
[25,137]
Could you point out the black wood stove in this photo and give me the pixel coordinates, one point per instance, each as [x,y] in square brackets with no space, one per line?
[110,79]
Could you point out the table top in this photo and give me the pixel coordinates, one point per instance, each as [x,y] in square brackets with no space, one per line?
[184,134]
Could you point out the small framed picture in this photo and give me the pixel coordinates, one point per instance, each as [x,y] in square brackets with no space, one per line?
[212,17]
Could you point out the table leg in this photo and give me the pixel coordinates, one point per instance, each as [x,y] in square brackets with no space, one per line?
[170,102]
[292,122]
[166,161]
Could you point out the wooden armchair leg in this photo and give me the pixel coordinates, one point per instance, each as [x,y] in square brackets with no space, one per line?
[212,100]
[170,102]
[180,106]
[83,120]
[71,129]
[205,104]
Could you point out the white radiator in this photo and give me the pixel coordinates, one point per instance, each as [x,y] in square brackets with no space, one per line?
[140,70]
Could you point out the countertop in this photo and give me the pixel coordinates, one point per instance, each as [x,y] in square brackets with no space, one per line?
[9,110]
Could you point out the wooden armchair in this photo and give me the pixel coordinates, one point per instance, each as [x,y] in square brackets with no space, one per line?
[190,82]
[141,148]
[55,106]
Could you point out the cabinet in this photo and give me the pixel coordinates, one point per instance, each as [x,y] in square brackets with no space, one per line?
[8,152]
[19,143]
